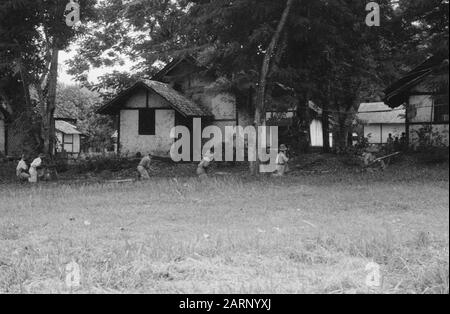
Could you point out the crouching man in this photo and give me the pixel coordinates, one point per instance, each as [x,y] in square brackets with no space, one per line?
[282,161]
[202,168]
[144,167]
[22,170]
[36,170]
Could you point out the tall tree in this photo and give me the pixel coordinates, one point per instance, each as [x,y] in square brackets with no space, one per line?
[326,53]
[260,111]
[79,103]
[32,34]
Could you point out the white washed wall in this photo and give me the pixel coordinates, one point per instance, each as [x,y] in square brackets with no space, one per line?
[76,143]
[373,132]
[425,114]
[68,147]
[130,140]
[380,135]
[159,144]
[441,129]
[395,129]
[424,108]
[316,133]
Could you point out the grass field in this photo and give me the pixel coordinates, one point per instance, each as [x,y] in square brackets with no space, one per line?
[302,234]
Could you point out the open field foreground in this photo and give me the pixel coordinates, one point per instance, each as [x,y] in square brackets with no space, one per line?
[307,234]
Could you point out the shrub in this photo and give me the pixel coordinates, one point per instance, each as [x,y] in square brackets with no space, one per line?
[61,165]
[431,148]
[433,155]
[99,164]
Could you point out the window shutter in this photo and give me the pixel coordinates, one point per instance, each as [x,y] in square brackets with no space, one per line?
[147,122]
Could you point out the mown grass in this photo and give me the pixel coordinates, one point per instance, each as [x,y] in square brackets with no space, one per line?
[300,234]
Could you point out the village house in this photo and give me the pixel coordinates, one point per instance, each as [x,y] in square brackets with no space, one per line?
[146,112]
[180,92]
[68,139]
[425,105]
[379,120]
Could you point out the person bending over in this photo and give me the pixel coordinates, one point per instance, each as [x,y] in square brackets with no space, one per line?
[22,170]
[144,167]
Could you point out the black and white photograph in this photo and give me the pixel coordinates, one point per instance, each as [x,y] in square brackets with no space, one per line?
[225,155]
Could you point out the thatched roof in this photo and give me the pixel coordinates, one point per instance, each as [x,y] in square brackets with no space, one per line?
[380,113]
[66,127]
[174,64]
[179,102]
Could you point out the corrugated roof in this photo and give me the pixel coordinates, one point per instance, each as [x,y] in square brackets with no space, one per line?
[380,113]
[179,102]
[66,128]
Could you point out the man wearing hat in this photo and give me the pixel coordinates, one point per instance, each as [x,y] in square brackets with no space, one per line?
[282,161]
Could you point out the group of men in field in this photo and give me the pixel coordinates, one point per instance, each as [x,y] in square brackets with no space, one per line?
[34,171]
[208,158]
[397,143]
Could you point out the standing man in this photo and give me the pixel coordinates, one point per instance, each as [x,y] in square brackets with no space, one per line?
[22,170]
[403,143]
[397,144]
[390,143]
[35,167]
[144,166]
[282,161]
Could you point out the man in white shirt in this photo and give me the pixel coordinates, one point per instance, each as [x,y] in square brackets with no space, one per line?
[144,166]
[35,165]
[202,168]
[282,161]
[22,170]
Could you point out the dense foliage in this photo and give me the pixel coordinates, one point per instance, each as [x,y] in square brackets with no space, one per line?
[324,52]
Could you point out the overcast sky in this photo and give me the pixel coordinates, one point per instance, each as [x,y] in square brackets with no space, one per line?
[93,75]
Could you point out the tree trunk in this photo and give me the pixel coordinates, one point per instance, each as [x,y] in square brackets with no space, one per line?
[306,125]
[261,90]
[48,121]
[326,128]
[342,137]
[26,87]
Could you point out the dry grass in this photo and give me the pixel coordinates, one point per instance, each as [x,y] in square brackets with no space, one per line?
[307,234]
